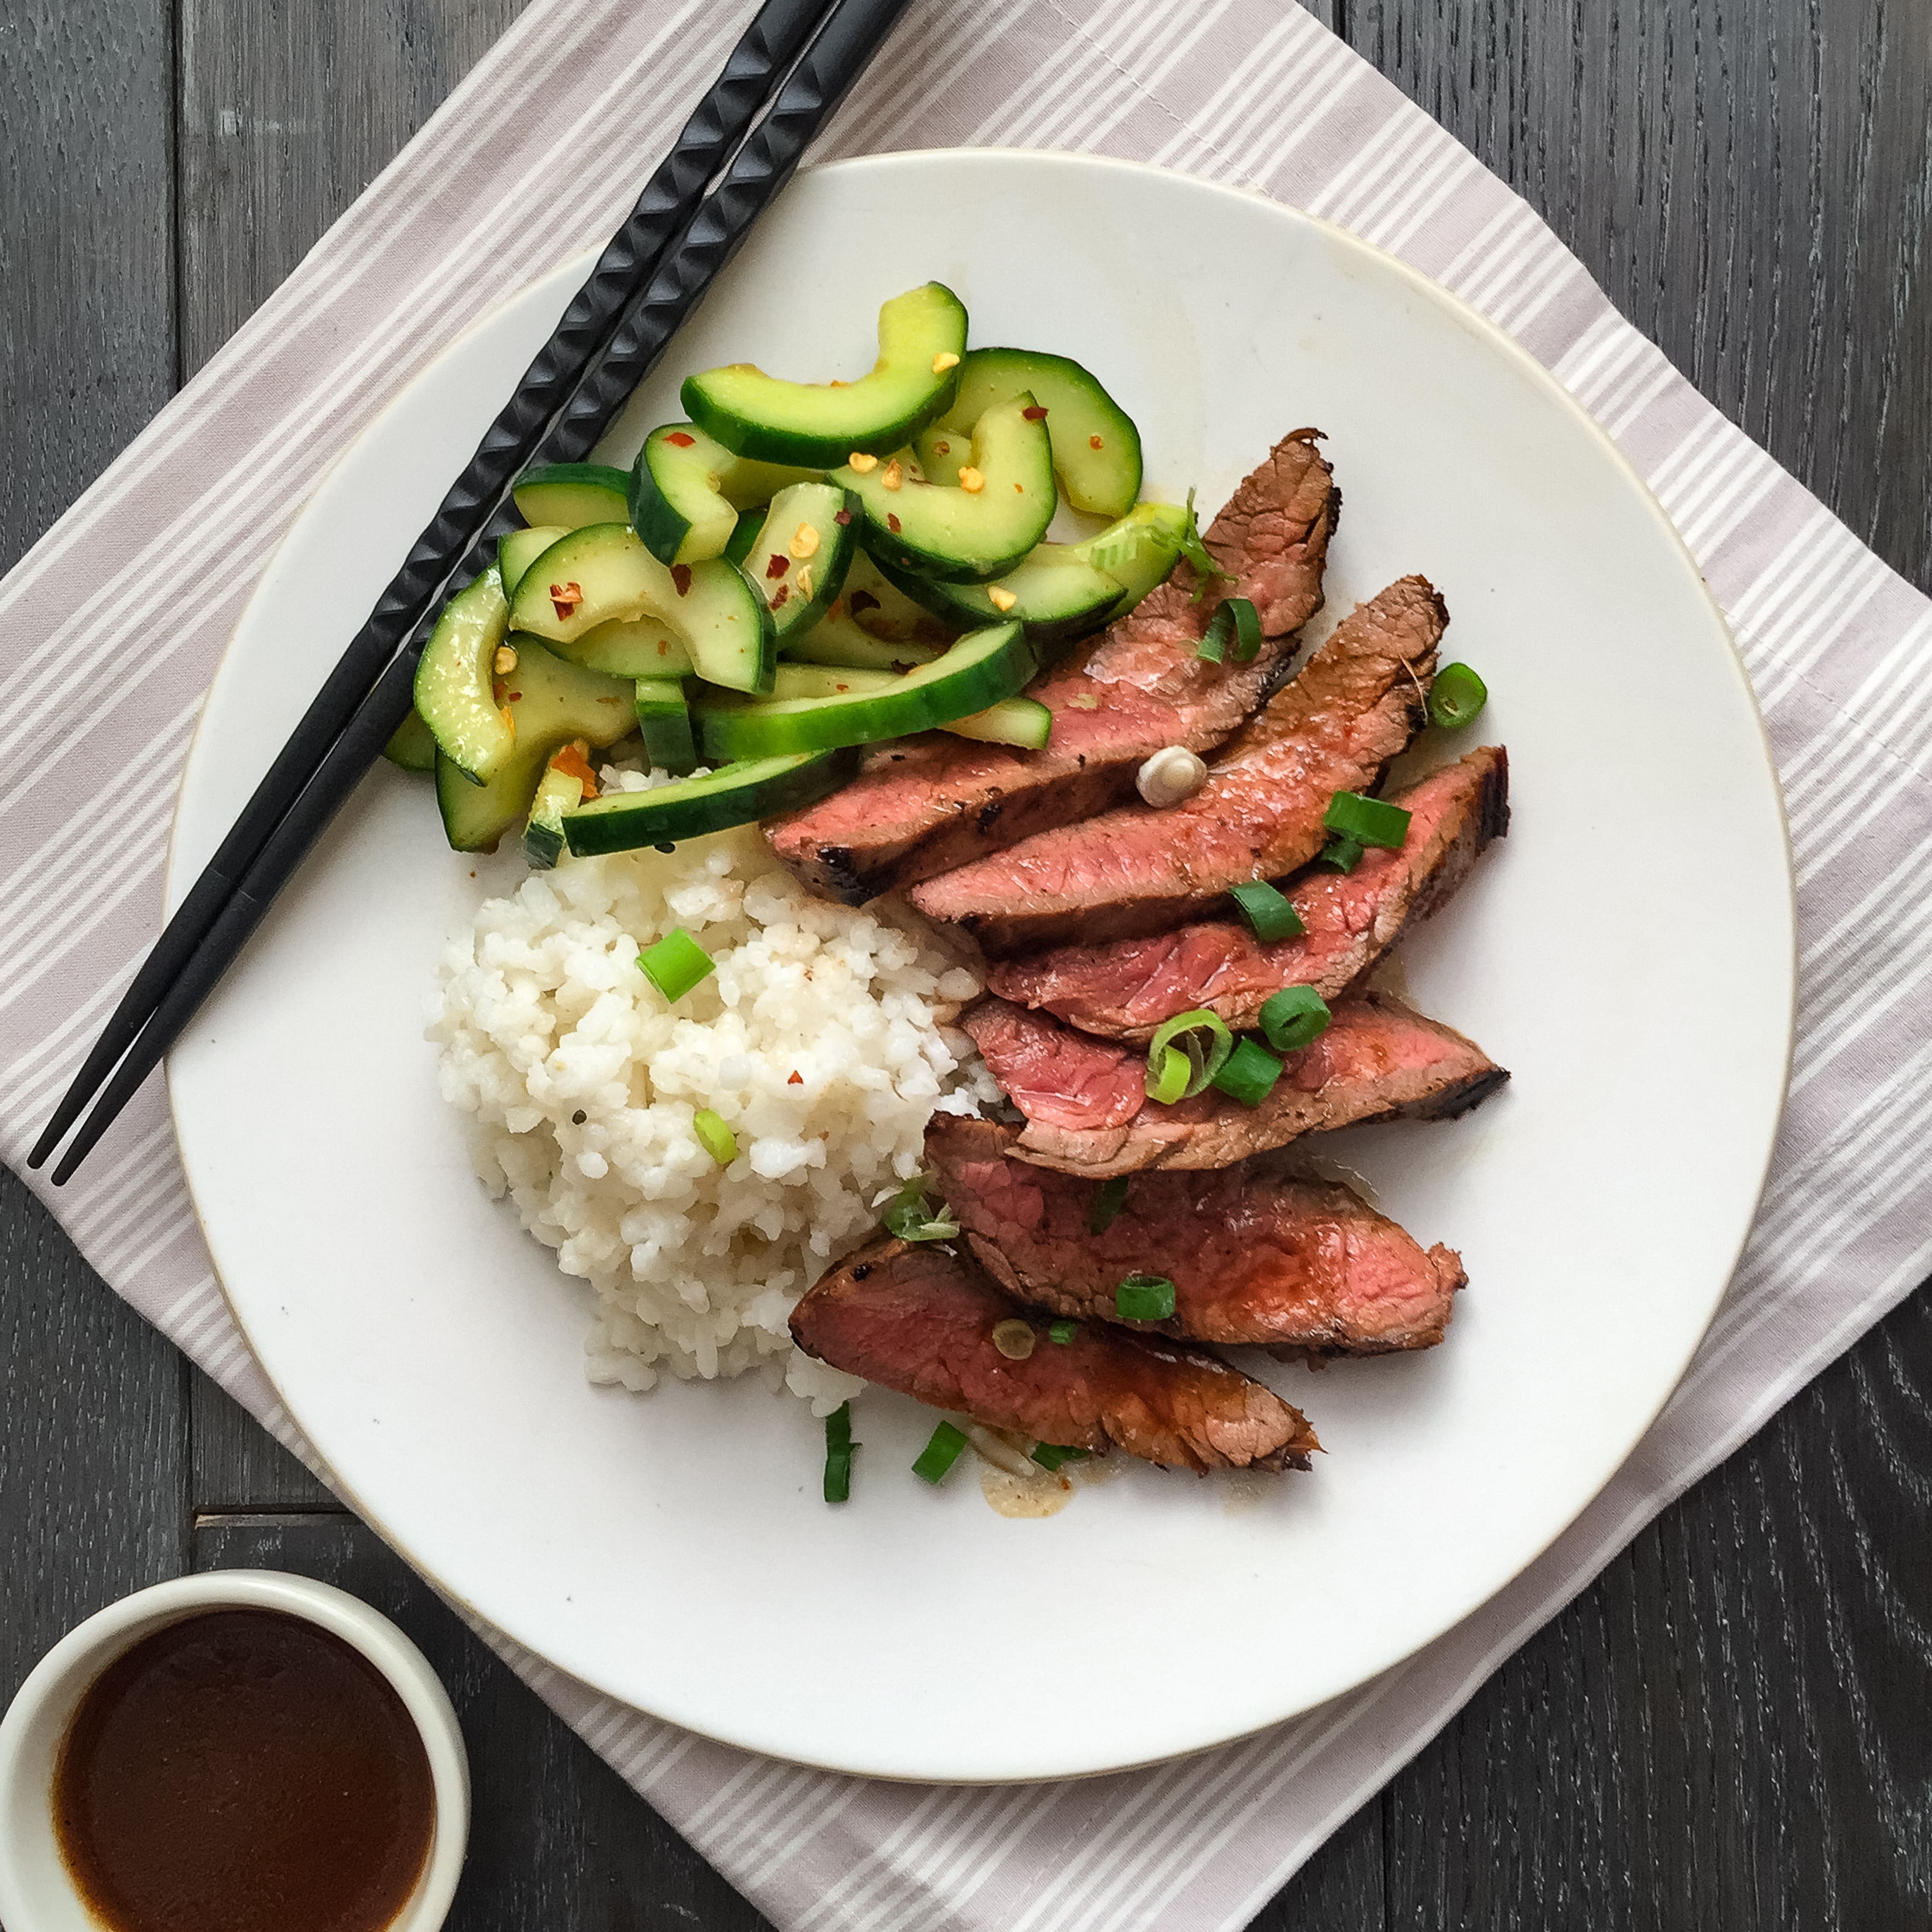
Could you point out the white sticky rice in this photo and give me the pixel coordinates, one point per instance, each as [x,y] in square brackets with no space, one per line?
[822,1039]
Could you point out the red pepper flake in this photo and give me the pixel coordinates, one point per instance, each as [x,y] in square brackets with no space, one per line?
[796,1079]
[566,597]
[842,517]
[515,696]
[785,591]
[777,566]
[863,600]
[1036,414]
[680,580]
[678,436]
[572,762]
[891,523]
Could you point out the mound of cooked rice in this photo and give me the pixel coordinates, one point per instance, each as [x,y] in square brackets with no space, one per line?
[822,1039]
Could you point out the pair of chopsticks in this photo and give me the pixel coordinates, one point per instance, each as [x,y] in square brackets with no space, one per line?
[785,78]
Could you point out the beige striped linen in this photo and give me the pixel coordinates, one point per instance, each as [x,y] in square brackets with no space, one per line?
[111,628]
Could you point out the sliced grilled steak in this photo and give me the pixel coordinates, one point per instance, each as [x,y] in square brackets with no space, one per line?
[917,1319]
[1125,990]
[1087,1112]
[923,804]
[1257,1256]
[1354,706]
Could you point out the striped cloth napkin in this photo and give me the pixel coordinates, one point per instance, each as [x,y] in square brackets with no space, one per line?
[111,628]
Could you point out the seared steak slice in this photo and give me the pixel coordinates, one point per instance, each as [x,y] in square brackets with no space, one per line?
[1256,1257]
[923,804]
[1126,991]
[919,1320]
[1356,703]
[1087,1111]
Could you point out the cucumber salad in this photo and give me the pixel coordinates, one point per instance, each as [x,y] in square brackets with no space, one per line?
[800,570]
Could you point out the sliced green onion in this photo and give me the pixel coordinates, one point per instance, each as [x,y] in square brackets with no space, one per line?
[1197,554]
[1107,1204]
[1049,1455]
[1235,622]
[1344,854]
[1144,1297]
[940,1453]
[1293,1017]
[676,963]
[1168,1073]
[1249,1074]
[1368,821]
[1268,911]
[839,1448]
[1063,1332]
[1456,697]
[1183,1034]
[909,1216]
[714,1136]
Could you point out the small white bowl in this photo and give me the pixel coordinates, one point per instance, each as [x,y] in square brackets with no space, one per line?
[37,1894]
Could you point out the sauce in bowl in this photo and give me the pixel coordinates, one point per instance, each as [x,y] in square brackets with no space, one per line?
[240,1770]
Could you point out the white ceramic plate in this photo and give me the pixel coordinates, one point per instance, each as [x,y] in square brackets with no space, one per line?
[1627,953]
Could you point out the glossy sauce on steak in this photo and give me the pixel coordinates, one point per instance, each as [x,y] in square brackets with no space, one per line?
[923,804]
[1087,1112]
[1260,1258]
[1124,992]
[920,1320]
[1353,708]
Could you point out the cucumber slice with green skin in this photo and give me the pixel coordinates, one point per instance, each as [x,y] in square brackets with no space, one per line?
[687,489]
[1023,721]
[1097,449]
[572,494]
[411,745]
[631,647]
[623,821]
[455,694]
[812,680]
[553,702]
[956,535]
[1055,592]
[816,424]
[745,533]
[602,572]
[824,523]
[557,793]
[517,549]
[835,639]
[879,605]
[665,718]
[978,671]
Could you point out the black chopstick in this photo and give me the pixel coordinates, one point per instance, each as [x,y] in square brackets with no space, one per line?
[308,799]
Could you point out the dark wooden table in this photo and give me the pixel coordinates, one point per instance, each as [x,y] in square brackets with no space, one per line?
[1729,1729]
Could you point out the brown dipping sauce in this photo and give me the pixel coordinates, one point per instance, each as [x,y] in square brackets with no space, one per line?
[244,1771]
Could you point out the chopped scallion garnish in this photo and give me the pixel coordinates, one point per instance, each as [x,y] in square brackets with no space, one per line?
[1344,854]
[1144,1297]
[1050,1456]
[1271,914]
[1197,554]
[839,1448]
[676,963]
[1202,1037]
[1063,1332]
[715,1137]
[1249,1074]
[910,1216]
[1456,697]
[1235,623]
[940,1453]
[1107,1204]
[1368,821]
[1293,1017]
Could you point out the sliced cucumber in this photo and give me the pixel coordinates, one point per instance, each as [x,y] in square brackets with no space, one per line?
[978,671]
[745,533]
[814,680]
[1054,591]
[517,549]
[552,701]
[921,336]
[572,494]
[879,605]
[1140,550]
[836,640]
[665,718]
[557,793]
[801,552]
[411,745]
[622,821]
[687,488]
[1023,721]
[952,532]
[602,572]
[632,647]
[1097,449]
[455,681]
